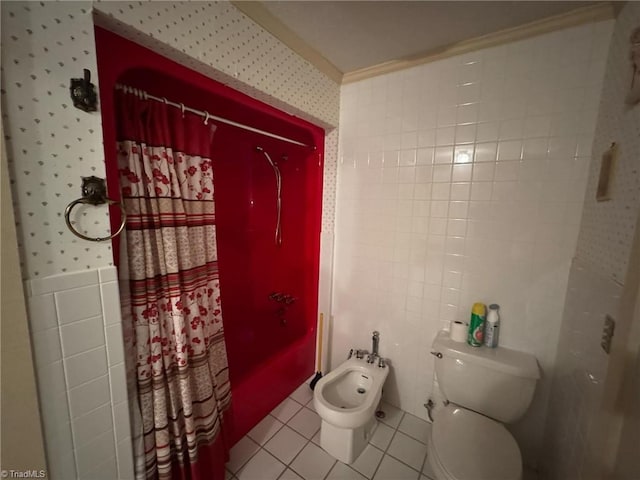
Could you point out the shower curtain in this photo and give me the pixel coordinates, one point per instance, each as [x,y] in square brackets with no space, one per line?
[166,180]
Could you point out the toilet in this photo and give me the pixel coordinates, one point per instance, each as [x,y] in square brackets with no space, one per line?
[346,400]
[485,388]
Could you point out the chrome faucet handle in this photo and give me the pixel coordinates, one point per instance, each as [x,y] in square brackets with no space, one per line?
[370,358]
[350,354]
[359,353]
[381,362]
[275,296]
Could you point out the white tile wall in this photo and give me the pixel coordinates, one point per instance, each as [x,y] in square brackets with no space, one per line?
[462,181]
[602,258]
[580,371]
[80,369]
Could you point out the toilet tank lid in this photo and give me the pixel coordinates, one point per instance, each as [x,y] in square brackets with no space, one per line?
[513,362]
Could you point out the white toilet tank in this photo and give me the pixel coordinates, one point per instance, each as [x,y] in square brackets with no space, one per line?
[496,382]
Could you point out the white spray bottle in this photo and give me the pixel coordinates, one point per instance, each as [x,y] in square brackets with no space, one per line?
[492,326]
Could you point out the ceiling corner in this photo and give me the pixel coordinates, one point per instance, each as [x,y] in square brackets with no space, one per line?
[257,12]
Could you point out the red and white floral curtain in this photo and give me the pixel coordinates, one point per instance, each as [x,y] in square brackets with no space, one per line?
[166,180]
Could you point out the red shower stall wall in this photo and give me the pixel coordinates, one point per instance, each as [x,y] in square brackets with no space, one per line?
[270,353]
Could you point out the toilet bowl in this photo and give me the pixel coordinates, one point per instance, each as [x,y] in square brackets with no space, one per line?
[346,400]
[485,388]
[466,445]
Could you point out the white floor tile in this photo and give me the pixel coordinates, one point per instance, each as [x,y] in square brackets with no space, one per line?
[340,471]
[305,422]
[316,438]
[392,469]
[368,461]
[285,444]
[287,409]
[382,436]
[302,394]
[240,453]
[289,474]
[313,463]
[284,436]
[393,415]
[263,431]
[262,466]
[310,405]
[408,450]
[415,427]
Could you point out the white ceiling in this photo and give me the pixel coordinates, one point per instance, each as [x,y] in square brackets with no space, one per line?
[353,35]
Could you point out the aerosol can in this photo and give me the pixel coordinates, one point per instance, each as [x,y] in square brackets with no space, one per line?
[492,326]
[476,325]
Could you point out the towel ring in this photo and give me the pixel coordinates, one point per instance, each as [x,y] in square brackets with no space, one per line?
[94,192]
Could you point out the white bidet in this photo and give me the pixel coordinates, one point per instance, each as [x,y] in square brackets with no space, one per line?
[346,399]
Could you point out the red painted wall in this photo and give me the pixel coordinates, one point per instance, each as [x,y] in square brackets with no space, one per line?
[270,352]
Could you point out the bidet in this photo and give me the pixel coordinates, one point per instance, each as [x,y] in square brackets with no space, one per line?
[346,400]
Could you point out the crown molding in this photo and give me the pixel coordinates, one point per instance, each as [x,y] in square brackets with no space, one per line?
[592,13]
[257,12]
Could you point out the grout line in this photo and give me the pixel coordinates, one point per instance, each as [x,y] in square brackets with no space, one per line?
[273,456]
[397,459]
[424,462]
[282,425]
[67,389]
[384,452]
[105,374]
[248,459]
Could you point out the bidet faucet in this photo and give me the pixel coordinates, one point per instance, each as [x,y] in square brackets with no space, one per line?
[376,341]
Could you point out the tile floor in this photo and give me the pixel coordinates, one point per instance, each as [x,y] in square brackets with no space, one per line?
[285,445]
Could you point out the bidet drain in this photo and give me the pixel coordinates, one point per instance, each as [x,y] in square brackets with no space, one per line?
[361,390]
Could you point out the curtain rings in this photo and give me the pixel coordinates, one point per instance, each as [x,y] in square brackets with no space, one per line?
[182,109]
[206,118]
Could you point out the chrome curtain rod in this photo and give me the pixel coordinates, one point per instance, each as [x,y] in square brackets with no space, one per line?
[207,116]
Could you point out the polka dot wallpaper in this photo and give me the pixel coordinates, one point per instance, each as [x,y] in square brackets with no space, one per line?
[51,144]
[608,227]
[216,35]
[329,180]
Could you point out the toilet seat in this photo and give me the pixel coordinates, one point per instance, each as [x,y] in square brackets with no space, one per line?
[470,446]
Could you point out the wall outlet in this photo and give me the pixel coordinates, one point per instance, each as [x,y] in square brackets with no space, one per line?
[607,333]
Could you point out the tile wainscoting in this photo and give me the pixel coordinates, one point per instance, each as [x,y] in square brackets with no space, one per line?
[76,331]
